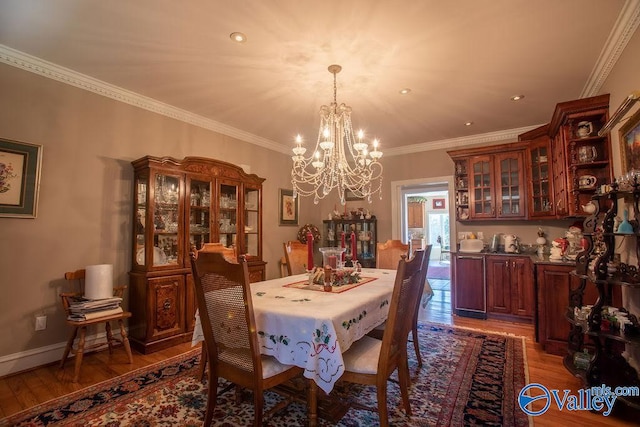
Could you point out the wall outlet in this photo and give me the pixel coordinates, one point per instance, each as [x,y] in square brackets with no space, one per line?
[41,323]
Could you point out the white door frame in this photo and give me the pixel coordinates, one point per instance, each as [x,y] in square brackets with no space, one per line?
[396,203]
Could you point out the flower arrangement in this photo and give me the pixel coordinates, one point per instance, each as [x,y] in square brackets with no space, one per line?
[345,276]
[341,276]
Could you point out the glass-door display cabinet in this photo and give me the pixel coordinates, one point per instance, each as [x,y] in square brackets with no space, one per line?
[364,231]
[179,205]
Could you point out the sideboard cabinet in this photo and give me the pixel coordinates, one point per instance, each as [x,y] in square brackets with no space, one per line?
[178,206]
[510,293]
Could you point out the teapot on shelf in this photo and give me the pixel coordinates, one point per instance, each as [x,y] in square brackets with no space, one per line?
[590,207]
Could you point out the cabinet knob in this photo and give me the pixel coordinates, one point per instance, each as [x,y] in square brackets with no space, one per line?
[167,304]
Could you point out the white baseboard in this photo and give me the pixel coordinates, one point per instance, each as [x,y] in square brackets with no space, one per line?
[25,360]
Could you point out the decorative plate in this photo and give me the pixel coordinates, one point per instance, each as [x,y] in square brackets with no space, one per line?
[308,228]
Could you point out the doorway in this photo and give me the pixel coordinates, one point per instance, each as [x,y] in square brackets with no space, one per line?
[427,223]
[439,221]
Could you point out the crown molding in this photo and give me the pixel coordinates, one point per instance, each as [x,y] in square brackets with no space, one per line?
[464,141]
[52,71]
[622,31]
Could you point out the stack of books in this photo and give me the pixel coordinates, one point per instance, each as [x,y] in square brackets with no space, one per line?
[86,309]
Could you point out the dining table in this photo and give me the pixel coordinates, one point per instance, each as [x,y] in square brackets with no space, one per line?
[300,324]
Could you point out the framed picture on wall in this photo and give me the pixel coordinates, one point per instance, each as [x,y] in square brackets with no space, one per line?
[288,207]
[438,204]
[350,197]
[630,144]
[19,178]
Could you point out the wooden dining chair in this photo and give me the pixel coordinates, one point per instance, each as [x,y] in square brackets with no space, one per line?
[388,253]
[296,257]
[79,327]
[423,284]
[226,311]
[371,361]
[231,255]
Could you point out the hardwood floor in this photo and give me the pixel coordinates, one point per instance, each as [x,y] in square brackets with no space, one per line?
[24,390]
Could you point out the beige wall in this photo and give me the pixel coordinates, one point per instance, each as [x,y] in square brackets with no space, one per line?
[84,214]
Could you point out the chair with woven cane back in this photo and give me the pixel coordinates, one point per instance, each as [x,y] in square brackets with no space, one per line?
[231,255]
[388,253]
[371,361]
[226,311]
[79,330]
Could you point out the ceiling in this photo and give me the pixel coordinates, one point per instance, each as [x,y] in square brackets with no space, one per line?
[462,60]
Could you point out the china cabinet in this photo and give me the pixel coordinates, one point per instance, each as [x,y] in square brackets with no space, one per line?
[582,159]
[179,205]
[335,230]
[539,164]
[493,184]
[462,188]
[608,327]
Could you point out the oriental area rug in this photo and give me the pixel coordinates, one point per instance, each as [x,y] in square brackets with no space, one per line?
[468,378]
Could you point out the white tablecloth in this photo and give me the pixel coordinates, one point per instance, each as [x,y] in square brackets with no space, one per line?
[311,329]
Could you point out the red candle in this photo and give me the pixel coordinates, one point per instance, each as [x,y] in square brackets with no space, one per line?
[309,251]
[333,261]
[353,247]
[343,246]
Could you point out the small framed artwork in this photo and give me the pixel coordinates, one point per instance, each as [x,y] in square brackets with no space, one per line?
[438,204]
[19,178]
[349,196]
[288,207]
[630,144]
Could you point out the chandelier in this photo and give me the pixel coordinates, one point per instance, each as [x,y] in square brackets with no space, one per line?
[341,159]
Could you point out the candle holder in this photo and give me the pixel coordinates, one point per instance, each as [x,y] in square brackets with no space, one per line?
[332,257]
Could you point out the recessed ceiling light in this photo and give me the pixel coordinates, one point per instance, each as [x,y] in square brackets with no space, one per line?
[517,97]
[238,37]
[405,91]
[468,123]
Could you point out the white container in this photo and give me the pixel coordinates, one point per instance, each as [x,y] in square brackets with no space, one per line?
[98,282]
[471,245]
